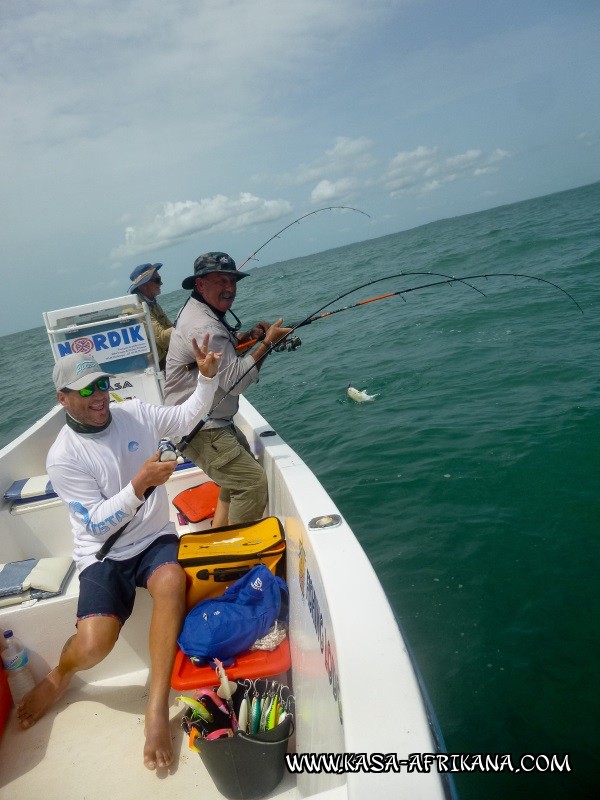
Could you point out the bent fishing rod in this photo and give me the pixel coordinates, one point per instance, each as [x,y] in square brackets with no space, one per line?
[185,441]
[447,280]
[450,279]
[295,222]
[276,236]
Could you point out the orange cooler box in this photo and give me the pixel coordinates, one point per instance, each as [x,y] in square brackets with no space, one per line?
[251,664]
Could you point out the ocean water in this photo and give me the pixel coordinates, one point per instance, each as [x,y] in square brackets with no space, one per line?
[472,481]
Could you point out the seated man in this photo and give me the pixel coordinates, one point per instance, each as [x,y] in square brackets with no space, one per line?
[147,282]
[105,466]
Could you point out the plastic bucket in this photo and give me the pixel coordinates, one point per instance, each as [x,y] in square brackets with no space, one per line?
[246,766]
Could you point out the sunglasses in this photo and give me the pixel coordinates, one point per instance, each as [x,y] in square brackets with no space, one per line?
[102,384]
[156,280]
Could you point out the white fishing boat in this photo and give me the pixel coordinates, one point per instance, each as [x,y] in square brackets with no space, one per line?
[355,685]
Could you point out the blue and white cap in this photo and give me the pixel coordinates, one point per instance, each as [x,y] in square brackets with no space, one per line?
[141,275]
[76,371]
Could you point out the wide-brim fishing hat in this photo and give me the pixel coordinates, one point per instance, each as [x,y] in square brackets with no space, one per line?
[142,275]
[213,262]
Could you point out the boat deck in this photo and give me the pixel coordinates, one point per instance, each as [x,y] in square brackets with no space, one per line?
[94,737]
[90,744]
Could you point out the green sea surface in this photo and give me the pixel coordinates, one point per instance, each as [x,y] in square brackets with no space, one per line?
[472,481]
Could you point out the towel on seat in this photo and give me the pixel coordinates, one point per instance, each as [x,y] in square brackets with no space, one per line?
[14,575]
[30,489]
[34,579]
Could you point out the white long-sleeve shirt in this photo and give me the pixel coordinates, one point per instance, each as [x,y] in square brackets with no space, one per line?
[92,474]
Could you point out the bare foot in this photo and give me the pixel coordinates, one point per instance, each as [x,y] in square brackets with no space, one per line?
[36,702]
[158,749]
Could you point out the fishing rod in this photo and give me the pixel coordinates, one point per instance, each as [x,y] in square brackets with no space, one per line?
[237,326]
[243,346]
[314,317]
[447,280]
[295,222]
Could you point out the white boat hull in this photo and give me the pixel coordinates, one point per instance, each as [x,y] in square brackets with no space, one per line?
[355,686]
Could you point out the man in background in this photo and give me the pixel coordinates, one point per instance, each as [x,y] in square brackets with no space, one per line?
[147,283]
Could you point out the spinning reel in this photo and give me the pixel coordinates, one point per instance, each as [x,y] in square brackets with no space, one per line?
[288,344]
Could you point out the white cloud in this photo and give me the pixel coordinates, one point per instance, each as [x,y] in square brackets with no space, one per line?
[180,220]
[354,152]
[498,155]
[327,191]
[588,138]
[423,170]
[464,161]
[69,72]
[407,168]
[346,155]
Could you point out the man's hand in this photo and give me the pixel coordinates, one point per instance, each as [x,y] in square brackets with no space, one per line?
[259,330]
[275,332]
[255,334]
[152,473]
[207,361]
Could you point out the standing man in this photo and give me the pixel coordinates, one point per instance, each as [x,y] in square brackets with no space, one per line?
[147,282]
[103,466]
[219,447]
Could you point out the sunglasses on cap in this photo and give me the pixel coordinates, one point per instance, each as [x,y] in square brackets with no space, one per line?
[102,384]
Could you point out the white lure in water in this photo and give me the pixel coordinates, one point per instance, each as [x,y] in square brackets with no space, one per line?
[359,396]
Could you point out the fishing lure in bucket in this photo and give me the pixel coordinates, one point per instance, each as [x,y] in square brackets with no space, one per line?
[211,695]
[197,707]
[254,721]
[268,702]
[273,714]
[225,690]
[244,713]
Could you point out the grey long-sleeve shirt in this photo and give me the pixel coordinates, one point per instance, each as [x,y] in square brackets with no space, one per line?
[194,321]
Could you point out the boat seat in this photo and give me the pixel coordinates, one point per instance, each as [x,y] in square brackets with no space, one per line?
[251,664]
[28,491]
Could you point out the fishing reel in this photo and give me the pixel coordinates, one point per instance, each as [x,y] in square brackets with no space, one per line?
[288,344]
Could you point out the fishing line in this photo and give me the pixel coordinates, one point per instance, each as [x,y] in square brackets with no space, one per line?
[296,221]
[313,317]
[238,324]
[448,280]
[185,441]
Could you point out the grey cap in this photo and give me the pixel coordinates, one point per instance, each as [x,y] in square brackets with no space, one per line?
[212,262]
[76,371]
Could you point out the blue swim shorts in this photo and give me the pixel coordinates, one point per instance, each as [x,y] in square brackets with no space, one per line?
[107,588]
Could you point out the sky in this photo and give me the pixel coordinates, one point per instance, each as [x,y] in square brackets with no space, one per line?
[136,131]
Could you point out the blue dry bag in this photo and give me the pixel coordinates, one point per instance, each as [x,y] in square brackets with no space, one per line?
[222,627]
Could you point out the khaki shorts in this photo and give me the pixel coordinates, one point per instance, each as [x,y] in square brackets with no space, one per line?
[225,455]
